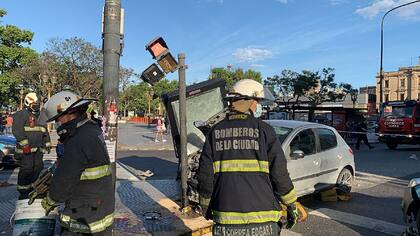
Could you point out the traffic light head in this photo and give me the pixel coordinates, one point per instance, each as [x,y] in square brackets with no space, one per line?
[152,74]
[157,47]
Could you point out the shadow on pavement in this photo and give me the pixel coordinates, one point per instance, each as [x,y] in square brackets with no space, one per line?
[162,169]
[153,218]
[378,208]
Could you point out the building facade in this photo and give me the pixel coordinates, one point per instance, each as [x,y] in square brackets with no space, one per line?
[400,85]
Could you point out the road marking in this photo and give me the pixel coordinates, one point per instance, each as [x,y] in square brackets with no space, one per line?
[367,180]
[361,221]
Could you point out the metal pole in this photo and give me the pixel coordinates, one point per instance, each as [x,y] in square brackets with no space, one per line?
[183,126]
[381,73]
[111,63]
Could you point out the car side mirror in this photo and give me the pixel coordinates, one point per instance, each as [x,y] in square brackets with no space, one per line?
[297,154]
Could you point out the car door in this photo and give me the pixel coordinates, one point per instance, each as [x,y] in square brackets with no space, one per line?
[329,155]
[303,171]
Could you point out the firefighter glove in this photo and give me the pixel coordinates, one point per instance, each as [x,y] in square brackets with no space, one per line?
[48,205]
[26,149]
[292,215]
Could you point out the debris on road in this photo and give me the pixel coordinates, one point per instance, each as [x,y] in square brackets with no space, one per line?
[413,156]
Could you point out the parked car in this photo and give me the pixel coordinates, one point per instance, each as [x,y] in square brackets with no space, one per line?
[318,157]
[7,150]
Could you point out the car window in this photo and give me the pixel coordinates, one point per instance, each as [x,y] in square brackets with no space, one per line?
[304,141]
[327,139]
[282,132]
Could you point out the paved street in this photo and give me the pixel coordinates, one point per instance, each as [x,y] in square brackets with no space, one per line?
[374,209]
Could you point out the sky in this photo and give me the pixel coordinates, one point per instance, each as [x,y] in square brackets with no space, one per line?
[264,35]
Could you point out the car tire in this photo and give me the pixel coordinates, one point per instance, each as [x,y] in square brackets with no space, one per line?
[345,180]
[392,146]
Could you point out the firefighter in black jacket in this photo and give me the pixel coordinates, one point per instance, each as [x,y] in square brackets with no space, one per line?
[83,179]
[243,173]
[30,131]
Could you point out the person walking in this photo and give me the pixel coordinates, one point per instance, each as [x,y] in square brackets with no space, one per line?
[243,171]
[83,178]
[361,130]
[33,139]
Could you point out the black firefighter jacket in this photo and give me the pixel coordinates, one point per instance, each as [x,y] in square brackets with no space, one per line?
[242,173]
[30,129]
[83,179]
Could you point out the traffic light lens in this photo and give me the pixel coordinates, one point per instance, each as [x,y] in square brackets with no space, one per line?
[168,63]
[157,49]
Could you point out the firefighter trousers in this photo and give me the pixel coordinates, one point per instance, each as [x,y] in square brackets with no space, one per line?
[66,232]
[31,166]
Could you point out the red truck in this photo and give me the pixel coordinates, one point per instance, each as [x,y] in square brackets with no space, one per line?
[400,123]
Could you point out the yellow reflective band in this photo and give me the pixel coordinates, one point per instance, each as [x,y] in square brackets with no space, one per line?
[24,142]
[35,129]
[79,227]
[245,218]
[204,201]
[24,187]
[96,172]
[20,151]
[240,166]
[289,198]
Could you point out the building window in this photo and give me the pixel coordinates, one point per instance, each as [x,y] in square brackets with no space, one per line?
[402,97]
[386,97]
[386,83]
[403,83]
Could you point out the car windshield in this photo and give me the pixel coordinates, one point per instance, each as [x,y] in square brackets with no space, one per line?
[397,111]
[282,132]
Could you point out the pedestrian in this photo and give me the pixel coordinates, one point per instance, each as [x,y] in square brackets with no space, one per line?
[160,128]
[9,123]
[243,171]
[83,178]
[33,139]
[361,130]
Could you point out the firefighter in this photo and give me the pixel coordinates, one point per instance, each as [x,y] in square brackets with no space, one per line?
[83,179]
[30,131]
[242,172]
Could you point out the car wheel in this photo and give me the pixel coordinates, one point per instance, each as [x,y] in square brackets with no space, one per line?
[345,180]
[392,146]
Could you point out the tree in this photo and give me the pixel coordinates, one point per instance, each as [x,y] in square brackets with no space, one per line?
[136,97]
[327,89]
[14,54]
[289,87]
[82,65]
[231,77]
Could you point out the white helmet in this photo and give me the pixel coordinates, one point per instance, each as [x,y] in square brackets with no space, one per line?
[30,99]
[250,89]
[63,102]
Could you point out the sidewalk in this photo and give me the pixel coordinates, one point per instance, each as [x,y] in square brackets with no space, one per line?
[137,136]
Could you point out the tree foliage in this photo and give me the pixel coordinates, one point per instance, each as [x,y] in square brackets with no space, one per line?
[327,90]
[317,87]
[14,54]
[231,77]
[136,97]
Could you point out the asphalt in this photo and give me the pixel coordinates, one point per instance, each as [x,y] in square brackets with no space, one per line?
[138,136]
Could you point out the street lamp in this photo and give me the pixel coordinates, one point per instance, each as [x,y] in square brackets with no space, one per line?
[381,73]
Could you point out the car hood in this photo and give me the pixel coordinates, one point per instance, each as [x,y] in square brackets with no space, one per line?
[8,140]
